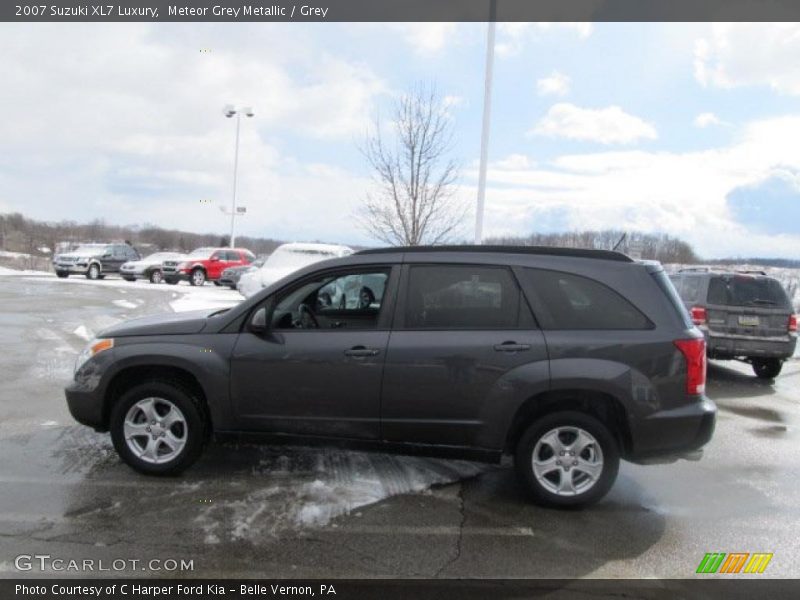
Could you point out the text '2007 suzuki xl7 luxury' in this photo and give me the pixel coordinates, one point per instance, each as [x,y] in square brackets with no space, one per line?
[568,360]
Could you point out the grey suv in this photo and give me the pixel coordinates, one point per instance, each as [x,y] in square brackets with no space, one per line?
[744,315]
[569,360]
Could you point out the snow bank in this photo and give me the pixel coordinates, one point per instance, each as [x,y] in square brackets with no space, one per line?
[308,487]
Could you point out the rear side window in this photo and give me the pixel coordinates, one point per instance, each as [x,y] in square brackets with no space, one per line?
[461,297]
[745,290]
[575,302]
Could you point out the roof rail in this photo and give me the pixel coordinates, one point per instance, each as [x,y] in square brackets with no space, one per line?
[751,272]
[540,250]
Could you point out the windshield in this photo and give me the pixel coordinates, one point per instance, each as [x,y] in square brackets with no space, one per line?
[90,249]
[202,253]
[159,256]
[744,290]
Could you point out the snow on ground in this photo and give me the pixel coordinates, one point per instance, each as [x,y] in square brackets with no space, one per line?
[12,272]
[308,487]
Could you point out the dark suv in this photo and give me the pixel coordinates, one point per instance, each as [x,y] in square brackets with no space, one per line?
[94,261]
[744,315]
[566,359]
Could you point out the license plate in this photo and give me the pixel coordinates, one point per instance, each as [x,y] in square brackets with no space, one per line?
[748,321]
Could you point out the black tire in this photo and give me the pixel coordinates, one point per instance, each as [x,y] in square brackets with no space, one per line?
[542,493]
[156,276]
[195,431]
[93,272]
[216,283]
[129,278]
[171,281]
[197,277]
[62,274]
[232,286]
[767,368]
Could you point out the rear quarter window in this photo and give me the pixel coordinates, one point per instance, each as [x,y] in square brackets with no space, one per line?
[571,301]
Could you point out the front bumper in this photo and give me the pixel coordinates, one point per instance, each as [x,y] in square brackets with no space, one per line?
[668,435]
[85,405]
[176,276]
[71,268]
[724,346]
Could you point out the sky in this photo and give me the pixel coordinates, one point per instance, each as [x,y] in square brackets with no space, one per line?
[687,129]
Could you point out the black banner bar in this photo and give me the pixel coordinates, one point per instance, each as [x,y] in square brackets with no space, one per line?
[398,10]
[734,588]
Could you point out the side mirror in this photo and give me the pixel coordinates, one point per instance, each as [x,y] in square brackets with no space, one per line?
[258,323]
[214,258]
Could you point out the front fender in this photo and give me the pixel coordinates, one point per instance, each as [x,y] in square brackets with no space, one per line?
[205,357]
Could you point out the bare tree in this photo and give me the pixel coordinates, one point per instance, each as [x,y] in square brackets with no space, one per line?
[413,203]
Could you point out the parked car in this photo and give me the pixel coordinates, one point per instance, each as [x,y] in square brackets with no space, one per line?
[568,360]
[744,315]
[205,264]
[148,267]
[94,261]
[231,275]
[286,259]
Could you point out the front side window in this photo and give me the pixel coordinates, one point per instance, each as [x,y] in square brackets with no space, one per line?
[461,297]
[574,302]
[335,301]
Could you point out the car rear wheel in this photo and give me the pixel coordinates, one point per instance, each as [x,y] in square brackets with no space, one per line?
[156,276]
[198,277]
[62,274]
[567,459]
[767,368]
[158,428]
[93,272]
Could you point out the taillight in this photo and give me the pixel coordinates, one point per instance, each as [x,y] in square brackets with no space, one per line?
[792,323]
[699,315]
[694,351]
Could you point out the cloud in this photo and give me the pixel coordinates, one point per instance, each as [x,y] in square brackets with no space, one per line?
[136,133]
[513,162]
[750,54]
[727,201]
[427,38]
[609,125]
[556,84]
[512,37]
[707,119]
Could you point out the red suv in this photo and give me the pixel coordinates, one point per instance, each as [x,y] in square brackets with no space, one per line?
[205,263]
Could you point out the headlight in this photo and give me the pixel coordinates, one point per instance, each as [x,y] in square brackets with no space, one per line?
[94,348]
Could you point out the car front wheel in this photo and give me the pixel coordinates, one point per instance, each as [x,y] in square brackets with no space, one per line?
[767,368]
[62,274]
[567,459]
[156,276]
[93,272]
[158,428]
[198,277]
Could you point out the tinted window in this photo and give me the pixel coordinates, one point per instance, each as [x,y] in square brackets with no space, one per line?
[691,288]
[575,302]
[745,290]
[461,297]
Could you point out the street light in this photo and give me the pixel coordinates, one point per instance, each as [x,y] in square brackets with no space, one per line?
[230,111]
[487,111]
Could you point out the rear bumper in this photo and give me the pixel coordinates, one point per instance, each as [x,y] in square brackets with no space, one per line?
[668,435]
[723,346]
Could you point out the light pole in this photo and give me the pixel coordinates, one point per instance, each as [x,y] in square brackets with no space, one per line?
[231,111]
[487,112]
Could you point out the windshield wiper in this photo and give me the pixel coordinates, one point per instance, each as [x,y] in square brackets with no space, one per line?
[762,301]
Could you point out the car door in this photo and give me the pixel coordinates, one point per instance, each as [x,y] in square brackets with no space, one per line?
[216,264]
[117,256]
[317,369]
[460,332]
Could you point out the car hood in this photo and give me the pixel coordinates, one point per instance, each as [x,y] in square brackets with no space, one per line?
[164,324]
[140,264]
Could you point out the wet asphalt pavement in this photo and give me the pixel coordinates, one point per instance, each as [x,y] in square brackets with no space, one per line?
[250,511]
